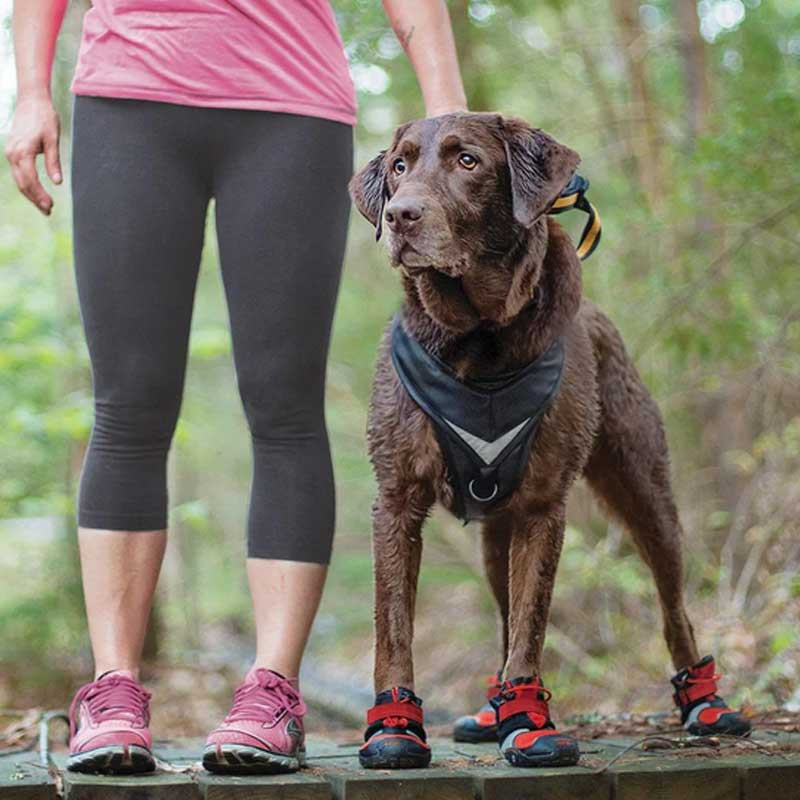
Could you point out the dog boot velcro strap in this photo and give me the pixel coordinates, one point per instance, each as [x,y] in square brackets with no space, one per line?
[703,711]
[482,725]
[527,735]
[395,737]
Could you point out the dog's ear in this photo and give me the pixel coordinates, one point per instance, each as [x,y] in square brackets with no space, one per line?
[368,186]
[539,168]
[368,190]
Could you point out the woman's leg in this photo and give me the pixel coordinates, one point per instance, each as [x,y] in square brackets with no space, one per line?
[139,204]
[282,210]
[119,570]
[286,596]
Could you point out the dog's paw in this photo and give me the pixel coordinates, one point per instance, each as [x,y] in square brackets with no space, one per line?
[395,737]
[527,735]
[703,711]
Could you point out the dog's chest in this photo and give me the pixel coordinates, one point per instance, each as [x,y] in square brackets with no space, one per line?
[485,429]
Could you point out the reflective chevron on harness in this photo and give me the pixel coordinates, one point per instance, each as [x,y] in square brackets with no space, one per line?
[485,428]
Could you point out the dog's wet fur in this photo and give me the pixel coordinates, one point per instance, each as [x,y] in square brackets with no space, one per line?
[490,281]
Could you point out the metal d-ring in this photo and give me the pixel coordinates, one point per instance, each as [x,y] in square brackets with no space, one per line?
[478,497]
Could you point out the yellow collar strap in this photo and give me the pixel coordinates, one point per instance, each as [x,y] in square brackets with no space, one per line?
[574,196]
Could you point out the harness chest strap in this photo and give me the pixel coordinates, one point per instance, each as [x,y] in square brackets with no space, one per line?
[484,428]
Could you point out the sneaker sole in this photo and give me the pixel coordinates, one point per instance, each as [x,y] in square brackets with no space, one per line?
[238,759]
[113,760]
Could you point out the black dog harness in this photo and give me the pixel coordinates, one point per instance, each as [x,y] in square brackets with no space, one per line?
[485,427]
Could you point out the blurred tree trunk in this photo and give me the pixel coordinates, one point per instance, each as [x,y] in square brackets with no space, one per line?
[601,91]
[644,140]
[695,69]
[479,93]
[698,101]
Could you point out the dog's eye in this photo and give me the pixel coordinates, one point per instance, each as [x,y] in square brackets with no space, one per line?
[398,166]
[468,161]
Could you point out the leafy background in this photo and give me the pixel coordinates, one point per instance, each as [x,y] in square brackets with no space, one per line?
[688,122]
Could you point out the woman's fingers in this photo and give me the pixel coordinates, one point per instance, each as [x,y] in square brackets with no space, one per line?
[52,161]
[27,178]
[35,130]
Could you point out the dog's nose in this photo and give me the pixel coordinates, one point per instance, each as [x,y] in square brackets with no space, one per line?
[403,214]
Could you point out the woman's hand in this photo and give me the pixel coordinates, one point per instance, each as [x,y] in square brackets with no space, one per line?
[35,129]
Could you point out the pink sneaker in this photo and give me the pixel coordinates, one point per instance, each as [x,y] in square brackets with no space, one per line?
[108,722]
[263,732]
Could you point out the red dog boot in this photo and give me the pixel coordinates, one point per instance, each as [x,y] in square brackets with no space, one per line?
[528,737]
[481,726]
[395,737]
[703,712]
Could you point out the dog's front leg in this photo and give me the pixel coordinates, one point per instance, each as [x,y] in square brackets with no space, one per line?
[526,734]
[395,736]
[396,549]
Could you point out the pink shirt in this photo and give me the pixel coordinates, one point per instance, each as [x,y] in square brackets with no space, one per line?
[276,55]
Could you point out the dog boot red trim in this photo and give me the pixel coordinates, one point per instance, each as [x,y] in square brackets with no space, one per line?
[395,737]
[482,725]
[528,737]
[703,711]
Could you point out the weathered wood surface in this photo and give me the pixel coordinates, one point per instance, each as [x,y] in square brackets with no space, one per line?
[458,772]
[23,778]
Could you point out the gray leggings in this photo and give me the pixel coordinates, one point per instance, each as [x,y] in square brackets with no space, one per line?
[142,177]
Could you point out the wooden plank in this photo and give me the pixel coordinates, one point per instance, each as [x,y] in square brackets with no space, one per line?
[303,785]
[770,778]
[409,784]
[495,779]
[155,786]
[163,784]
[516,783]
[671,781]
[23,778]
[441,781]
[459,772]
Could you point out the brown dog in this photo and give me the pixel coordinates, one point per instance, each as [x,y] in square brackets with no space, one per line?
[490,283]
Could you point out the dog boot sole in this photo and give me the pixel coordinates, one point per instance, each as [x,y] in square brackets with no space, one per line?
[564,758]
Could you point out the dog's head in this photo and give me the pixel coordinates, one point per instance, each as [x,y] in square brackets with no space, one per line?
[457,194]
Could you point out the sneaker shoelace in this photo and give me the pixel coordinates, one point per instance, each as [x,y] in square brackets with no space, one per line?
[265,697]
[112,697]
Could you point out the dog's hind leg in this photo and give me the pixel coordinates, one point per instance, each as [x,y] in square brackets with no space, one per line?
[496,541]
[629,471]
